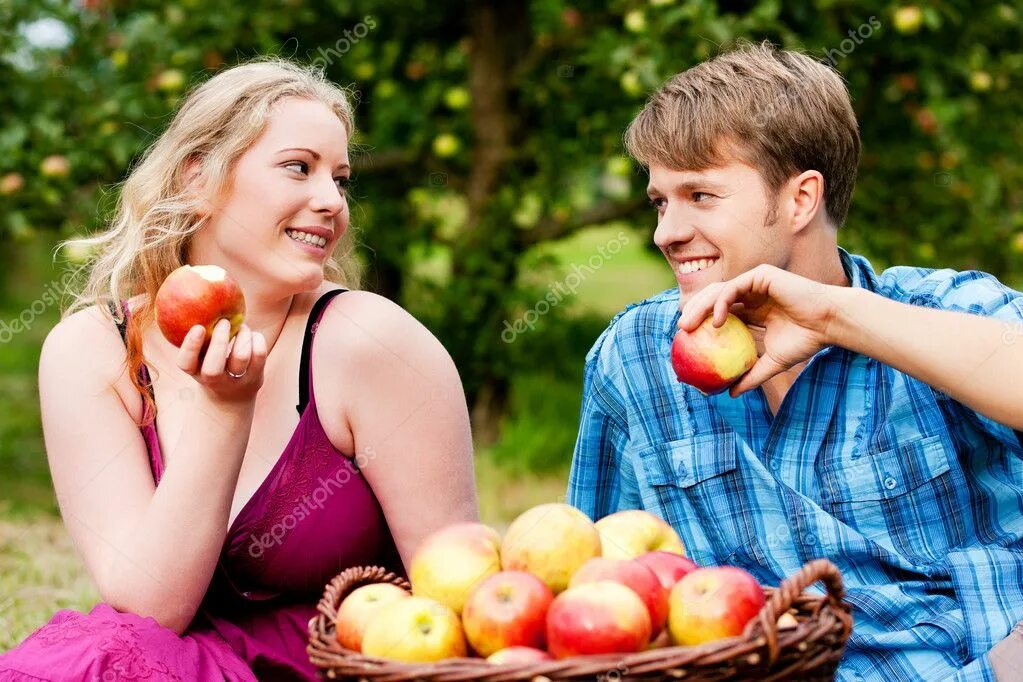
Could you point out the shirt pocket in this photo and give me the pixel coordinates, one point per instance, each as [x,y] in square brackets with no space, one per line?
[696,487]
[906,498]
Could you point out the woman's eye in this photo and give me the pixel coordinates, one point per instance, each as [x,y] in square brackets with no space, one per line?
[301,164]
[343,182]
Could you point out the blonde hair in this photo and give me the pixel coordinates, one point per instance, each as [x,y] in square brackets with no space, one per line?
[156,213]
[780,111]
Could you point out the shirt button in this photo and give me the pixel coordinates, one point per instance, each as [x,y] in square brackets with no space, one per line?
[890,483]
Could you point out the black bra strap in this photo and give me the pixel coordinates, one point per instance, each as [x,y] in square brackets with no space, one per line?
[121,326]
[305,371]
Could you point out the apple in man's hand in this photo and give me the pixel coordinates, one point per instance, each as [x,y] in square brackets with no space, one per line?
[710,359]
[198,295]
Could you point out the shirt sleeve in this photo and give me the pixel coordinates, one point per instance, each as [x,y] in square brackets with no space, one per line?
[601,480]
[979,293]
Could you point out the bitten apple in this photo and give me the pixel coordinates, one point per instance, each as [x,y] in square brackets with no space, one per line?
[667,566]
[629,533]
[198,295]
[505,610]
[636,577]
[713,603]
[359,607]
[597,618]
[711,358]
[515,655]
[414,630]
[551,541]
[452,560]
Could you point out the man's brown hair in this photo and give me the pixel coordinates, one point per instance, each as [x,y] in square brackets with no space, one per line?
[779,111]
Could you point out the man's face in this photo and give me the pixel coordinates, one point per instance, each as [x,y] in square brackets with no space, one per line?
[715,224]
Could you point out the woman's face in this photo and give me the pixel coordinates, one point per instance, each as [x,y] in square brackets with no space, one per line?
[284,208]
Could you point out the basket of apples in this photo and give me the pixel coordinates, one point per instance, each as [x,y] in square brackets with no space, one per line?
[562,598]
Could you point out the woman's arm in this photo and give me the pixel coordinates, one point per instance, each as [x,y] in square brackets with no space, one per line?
[150,551]
[405,406]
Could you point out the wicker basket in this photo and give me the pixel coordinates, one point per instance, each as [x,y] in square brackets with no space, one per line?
[809,651]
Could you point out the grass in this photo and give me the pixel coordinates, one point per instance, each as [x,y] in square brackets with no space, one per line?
[40,572]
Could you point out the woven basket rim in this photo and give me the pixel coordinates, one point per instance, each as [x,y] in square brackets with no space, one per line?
[818,639]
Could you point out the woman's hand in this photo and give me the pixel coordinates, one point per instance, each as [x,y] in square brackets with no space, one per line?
[244,357]
[789,312]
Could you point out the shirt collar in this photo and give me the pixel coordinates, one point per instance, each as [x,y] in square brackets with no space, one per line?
[857,269]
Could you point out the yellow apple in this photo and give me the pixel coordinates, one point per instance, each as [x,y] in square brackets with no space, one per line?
[414,630]
[451,561]
[358,609]
[630,533]
[550,541]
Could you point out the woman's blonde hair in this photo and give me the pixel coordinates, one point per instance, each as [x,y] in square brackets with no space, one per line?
[156,213]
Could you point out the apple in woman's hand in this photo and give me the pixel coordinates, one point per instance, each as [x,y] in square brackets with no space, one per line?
[710,359]
[198,295]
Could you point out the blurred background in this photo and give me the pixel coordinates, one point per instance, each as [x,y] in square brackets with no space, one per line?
[491,195]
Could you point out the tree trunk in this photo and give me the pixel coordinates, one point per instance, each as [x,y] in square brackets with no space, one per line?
[487,255]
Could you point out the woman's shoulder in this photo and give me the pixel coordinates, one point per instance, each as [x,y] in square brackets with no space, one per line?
[87,339]
[367,324]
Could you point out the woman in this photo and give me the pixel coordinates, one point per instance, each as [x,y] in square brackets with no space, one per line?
[209,511]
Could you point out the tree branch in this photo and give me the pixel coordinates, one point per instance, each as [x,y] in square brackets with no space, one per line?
[603,212]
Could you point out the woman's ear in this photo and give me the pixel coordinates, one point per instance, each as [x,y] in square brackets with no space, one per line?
[195,186]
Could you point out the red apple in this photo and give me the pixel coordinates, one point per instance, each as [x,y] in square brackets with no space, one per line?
[507,609]
[597,618]
[711,359]
[198,295]
[667,566]
[454,559]
[515,655]
[634,575]
[713,603]
[359,607]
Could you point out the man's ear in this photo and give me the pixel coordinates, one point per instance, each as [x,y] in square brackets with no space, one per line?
[807,198]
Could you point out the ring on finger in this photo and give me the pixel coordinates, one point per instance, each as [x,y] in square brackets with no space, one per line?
[237,376]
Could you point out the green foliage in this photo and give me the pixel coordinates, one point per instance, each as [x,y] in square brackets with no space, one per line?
[936,88]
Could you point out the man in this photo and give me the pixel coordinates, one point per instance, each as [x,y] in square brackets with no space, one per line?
[880,427]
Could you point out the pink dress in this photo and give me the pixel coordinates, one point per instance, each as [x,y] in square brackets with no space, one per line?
[312,517]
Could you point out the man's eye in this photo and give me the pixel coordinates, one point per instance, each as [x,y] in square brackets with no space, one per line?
[700,197]
[657,203]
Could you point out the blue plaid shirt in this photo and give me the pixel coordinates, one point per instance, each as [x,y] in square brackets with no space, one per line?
[916,498]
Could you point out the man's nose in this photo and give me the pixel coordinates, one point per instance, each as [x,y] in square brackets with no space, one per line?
[673,228]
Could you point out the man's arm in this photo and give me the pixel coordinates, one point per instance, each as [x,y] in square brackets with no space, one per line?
[976,360]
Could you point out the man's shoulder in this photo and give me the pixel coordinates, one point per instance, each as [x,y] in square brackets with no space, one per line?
[637,324]
[971,291]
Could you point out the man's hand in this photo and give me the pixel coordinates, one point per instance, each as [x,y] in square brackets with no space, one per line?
[791,313]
